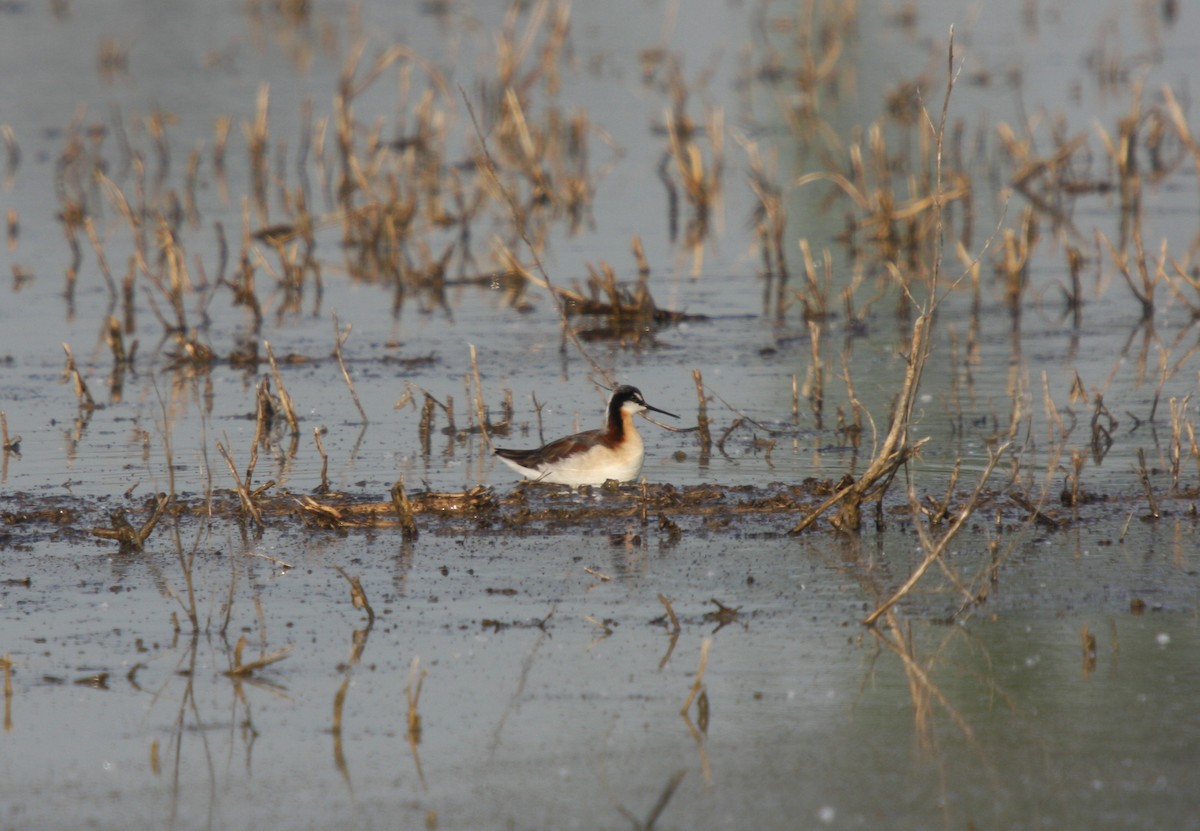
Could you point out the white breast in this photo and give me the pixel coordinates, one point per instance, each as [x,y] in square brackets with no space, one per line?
[598,464]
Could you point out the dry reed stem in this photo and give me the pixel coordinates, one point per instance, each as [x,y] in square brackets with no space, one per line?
[1088,644]
[339,338]
[675,627]
[605,629]
[942,510]
[324,486]
[599,575]
[186,561]
[1144,478]
[639,254]
[255,133]
[358,596]
[705,645]
[412,697]
[897,448]
[12,232]
[702,420]
[239,669]
[133,538]
[770,222]
[243,493]
[814,299]
[660,805]
[12,154]
[425,429]
[285,400]
[697,735]
[816,368]
[1143,288]
[934,552]
[921,684]
[114,334]
[7,663]
[408,524]
[72,373]
[10,444]
[480,406]
[89,228]
[262,425]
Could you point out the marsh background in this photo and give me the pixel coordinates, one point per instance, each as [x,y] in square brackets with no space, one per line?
[409,186]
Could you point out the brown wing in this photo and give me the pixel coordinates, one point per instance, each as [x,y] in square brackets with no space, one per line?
[554,451]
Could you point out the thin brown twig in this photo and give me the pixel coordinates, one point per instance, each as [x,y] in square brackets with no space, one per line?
[285,400]
[705,645]
[242,491]
[338,339]
[936,551]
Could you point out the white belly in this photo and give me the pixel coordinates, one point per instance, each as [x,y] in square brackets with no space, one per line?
[593,467]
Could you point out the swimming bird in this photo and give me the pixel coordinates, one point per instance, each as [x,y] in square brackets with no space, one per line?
[592,457]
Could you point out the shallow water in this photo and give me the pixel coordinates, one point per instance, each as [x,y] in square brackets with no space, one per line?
[544,719]
[552,684]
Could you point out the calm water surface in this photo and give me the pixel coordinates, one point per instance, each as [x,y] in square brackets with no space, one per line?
[552,685]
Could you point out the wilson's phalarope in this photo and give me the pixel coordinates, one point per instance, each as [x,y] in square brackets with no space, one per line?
[593,457]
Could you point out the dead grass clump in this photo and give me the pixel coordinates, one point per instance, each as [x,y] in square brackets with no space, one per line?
[9,444]
[133,538]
